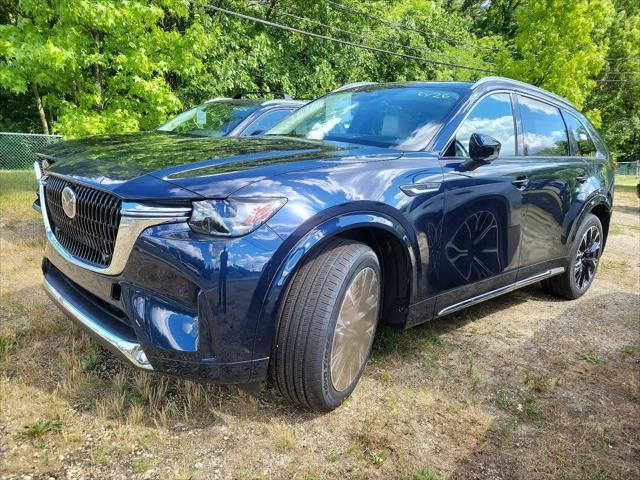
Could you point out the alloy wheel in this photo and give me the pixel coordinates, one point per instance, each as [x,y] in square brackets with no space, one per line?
[355,328]
[587,258]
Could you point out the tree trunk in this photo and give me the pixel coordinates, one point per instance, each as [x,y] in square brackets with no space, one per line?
[43,117]
[270,8]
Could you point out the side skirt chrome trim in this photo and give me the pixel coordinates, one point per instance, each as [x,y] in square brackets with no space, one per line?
[130,350]
[499,291]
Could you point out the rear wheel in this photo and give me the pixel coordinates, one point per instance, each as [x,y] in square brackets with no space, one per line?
[583,261]
[327,324]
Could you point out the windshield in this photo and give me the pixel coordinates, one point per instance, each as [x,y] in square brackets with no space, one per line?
[403,117]
[211,119]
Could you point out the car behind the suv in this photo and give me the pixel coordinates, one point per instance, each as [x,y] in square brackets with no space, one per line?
[235,260]
[232,117]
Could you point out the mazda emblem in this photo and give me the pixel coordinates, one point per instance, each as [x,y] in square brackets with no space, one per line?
[69,200]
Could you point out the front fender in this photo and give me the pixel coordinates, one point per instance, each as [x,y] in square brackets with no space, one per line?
[297,247]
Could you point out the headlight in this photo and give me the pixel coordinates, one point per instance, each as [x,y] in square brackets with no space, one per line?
[233,217]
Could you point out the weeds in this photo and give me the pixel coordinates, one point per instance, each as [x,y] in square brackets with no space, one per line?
[506,431]
[90,360]
[7,346]
[529,410]
[524,407]
[504,400]
[591,358]
[423,474]
[538,383]
[610,264]
[141,466]
[283,437]
[513,334]
[39,428]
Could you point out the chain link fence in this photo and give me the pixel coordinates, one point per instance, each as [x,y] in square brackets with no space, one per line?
[629,168]
[17,150]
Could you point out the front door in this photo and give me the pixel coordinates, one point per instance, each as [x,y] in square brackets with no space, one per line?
[483,215]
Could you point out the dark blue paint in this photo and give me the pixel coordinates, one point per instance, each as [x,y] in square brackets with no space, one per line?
[206,307]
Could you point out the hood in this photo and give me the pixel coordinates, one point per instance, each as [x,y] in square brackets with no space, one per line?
[158,164]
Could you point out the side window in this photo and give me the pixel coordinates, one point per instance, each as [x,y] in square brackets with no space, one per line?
[492,116]
[586,147]
[545,134]
[266,121]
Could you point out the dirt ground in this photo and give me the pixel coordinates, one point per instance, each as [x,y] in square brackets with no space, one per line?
[523,386]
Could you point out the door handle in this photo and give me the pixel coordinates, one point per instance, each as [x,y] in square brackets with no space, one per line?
[582,178]
[521,182]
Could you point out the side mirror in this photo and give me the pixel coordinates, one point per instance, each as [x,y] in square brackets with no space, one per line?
[483,149]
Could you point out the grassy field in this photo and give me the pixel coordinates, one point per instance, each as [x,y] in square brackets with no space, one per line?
[523,386]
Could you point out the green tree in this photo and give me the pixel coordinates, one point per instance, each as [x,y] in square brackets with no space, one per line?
[618,101]
[560,45]
[94,66]
[101,65]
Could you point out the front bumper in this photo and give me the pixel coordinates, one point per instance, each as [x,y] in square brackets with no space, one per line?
[173,313]
[176,307]
[96,321]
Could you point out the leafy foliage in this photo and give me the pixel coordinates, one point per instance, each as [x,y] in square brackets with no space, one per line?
[560,45]
[83,67]
[617,103]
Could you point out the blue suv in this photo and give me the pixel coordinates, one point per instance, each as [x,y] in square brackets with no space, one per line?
[237,260]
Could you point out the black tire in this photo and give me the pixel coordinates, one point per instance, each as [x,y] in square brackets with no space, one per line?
[566,285]
[300,360]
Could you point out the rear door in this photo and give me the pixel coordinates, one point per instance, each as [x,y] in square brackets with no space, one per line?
[483,215]
[552,200]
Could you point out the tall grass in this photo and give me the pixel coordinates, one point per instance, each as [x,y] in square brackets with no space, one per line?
[17,193]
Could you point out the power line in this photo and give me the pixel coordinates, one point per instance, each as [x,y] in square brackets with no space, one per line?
[400,26]
[367,37]
[340,40]
[617,81]
[622,73]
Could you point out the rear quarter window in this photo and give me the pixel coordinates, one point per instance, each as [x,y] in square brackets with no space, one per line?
[580,134]
[545,134]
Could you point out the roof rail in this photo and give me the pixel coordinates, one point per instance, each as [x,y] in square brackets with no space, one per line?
[353,85]
[217,99]
[284,95]
[525,85]
[277,101]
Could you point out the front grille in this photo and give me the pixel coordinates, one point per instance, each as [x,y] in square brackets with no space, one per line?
[91,234]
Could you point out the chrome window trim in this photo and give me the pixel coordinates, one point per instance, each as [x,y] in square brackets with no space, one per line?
[135,218]
[526,86]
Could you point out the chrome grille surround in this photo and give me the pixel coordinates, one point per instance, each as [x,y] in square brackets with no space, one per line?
[91,234]
[125,221]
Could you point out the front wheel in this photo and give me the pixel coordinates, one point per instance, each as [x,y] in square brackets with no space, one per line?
[326,325]
[583,261]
